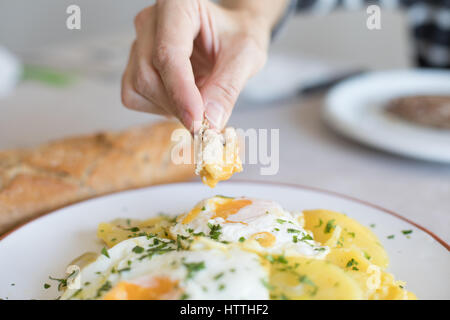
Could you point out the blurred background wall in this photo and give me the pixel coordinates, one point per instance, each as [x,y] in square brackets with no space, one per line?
[341,36]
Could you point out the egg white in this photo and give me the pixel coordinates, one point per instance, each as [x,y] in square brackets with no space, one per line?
[227,272]
[261,216]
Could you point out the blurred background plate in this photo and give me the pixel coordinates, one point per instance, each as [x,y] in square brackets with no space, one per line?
[356,109]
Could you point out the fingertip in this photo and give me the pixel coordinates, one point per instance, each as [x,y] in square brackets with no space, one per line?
[216,115]
[186,120]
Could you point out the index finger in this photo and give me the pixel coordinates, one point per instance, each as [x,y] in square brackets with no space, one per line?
[176,30]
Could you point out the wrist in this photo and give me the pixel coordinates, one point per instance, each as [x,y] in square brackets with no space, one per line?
[263,14]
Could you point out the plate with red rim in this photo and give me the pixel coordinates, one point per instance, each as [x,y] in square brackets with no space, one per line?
[45,246]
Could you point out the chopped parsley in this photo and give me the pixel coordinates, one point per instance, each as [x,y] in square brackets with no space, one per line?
[320,223]
[160,249]
[124,269]
[179,241]
[352,263]
[241,239]
[76,293]
[405,232]
[193,268]
[305,280]
[284,297]
[214,232]
[279,259]
[105,252]
[138,249]
[351,234]
[63,281]
[134,229]
[293,230]
[46,286]
[218,276]
[267,284]
[281,221]
[306,237]
[184,296]
[391,236]
[330,226]
[105,287]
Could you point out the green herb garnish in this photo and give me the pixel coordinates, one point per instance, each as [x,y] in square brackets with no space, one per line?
[105,252]
[214,232]
[193,267]
[138,249]
[351,262]
[330,226]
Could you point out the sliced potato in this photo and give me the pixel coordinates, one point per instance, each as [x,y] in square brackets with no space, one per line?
[336,230]
[391,289]
[353,262]
[311,279]
[120,229]
[375,283]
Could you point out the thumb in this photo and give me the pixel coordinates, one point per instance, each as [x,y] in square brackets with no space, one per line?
[224,85]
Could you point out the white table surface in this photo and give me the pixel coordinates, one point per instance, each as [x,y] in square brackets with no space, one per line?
[310,154]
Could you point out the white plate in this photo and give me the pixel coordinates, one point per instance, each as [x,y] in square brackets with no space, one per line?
[47,245]
[355,108]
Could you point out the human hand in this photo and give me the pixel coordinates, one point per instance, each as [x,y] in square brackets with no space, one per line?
[192,58]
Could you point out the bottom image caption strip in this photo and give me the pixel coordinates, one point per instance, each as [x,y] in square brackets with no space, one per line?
[224,309]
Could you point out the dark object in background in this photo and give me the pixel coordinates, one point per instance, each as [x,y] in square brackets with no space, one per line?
[432,111]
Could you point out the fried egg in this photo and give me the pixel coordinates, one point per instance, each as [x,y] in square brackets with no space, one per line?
[259,225]
[217,155]
[155,268]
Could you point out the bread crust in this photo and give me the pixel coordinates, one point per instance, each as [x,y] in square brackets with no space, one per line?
[39,180]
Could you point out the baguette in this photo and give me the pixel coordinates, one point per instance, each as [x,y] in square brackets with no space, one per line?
[36,181]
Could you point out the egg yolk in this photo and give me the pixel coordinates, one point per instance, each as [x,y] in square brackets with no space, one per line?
[265,239]
[211,174]
[159,288]
[192,215]
[222,210]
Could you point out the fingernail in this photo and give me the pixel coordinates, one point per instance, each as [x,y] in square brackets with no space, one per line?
[187,120]
[215,114]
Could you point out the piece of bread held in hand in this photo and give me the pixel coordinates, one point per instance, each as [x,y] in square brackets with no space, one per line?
[39,180]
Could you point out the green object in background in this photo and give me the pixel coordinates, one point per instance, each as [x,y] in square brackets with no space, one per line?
[47,75]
